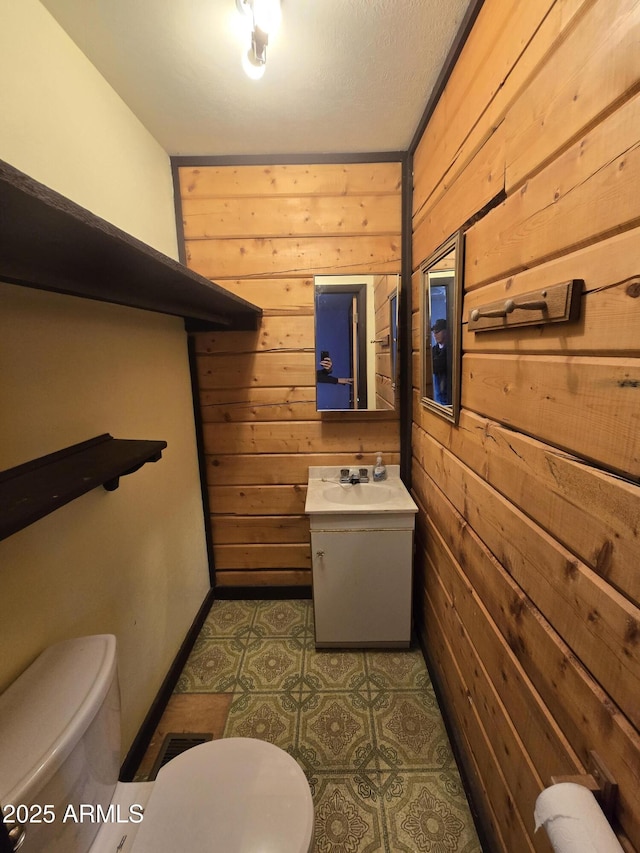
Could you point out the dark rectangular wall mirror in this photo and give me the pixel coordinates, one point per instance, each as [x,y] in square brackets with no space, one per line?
[441,338]
[356,342]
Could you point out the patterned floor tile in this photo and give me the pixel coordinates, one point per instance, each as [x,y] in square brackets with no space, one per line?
[264,717]
[364,725]
[347,820]
[414,730]
[429,814]
[333,731]
[212,667]
[334,670]
[394,670]
[281,618]
[272,665]
[226,618]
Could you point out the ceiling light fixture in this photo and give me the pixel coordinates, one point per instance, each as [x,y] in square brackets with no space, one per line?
[263,17]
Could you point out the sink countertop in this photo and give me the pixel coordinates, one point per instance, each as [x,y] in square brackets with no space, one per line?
[326,495]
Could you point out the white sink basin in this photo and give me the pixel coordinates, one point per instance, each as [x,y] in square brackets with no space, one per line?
[327,496]
[360,493]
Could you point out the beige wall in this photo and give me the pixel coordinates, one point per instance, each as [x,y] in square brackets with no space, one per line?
[131,562]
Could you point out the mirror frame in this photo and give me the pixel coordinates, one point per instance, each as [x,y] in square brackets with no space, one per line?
[394,301]
[450,412]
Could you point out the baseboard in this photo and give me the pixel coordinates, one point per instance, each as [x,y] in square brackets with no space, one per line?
[457,748]
[259,593]
[145,733]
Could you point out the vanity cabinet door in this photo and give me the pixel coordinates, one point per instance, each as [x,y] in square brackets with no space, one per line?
[362,587]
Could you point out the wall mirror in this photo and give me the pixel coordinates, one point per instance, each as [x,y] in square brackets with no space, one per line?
[354,342]
[441,339]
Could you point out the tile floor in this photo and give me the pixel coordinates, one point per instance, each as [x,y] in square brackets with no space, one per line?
[364,726]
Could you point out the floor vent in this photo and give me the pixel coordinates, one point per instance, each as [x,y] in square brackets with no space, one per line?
[174,744]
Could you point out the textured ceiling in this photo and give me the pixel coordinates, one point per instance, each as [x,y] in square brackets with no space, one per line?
[342,76]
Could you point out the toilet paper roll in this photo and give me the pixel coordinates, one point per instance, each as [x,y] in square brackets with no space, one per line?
[574,821]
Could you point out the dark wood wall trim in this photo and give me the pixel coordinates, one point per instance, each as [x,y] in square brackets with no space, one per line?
[263,593]
[405,308]
[177,206]
[202,462]
[150,722]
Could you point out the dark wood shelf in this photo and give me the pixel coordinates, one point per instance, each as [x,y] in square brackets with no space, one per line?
[51,243]
[37,488]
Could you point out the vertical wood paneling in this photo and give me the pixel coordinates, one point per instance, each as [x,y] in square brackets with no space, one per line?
[529,507]
[264,232]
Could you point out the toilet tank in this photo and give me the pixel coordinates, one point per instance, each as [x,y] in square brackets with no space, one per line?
[60,744]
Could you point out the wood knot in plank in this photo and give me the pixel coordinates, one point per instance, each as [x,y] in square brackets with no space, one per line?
[632,634]
[633,288]
[603,558]
[571,569]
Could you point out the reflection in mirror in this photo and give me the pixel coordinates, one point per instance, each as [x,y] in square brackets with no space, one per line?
[393,327]
[353,338]
[441,305]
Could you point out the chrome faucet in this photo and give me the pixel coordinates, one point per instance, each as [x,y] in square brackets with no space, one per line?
[354,475]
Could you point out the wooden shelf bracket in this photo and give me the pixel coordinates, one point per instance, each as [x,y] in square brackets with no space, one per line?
[30,491]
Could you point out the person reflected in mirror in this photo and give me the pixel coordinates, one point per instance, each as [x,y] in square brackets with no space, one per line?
[440,363]
[324,373]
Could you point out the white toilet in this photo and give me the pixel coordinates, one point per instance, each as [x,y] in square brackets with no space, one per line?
[59,761]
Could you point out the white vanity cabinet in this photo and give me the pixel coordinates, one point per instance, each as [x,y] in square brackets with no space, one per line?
[362,587]
[362,557]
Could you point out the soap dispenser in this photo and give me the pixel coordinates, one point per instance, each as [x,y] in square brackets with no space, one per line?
[379,472]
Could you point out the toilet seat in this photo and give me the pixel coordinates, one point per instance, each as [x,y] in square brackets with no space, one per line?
[234,795]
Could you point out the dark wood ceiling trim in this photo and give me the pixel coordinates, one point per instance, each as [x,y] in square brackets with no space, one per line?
[284,159]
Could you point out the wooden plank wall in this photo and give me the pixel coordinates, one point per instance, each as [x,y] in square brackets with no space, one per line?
[263,232]
[529,589]
[387,396]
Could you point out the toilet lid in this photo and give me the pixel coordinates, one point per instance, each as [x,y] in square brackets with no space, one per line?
[235,795]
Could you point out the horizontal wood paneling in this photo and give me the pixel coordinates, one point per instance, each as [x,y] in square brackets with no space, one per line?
[236,530]
[249,469]
[224,258]
[263,556]
[593,513]
[263,578]
[258,500]
[275,333]
[589,406]
[499,36]
[592,618]
[501,821]
[294,216]
[264,232]
[590,191]
[509,748]
[554,27]
[299,437]
[255,369]
[480,182]
[288,296]
[575,700]
[609,313]
[528,522]
[562,101]
[295,403]
[290,180]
